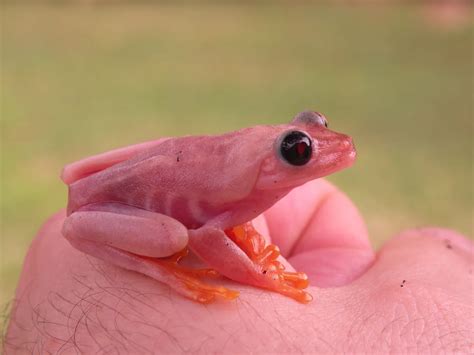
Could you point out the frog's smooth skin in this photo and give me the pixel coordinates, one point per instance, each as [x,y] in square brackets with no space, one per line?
[135,206]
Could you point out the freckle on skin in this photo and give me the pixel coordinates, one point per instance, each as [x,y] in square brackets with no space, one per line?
[448,244]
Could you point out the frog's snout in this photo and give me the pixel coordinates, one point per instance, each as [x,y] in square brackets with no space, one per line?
[347,147]
[336,143]
[346,144]
[335,151]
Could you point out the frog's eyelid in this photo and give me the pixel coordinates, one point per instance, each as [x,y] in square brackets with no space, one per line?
[311,118]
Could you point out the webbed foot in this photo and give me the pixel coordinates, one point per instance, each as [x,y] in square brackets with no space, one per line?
[291,284]
[188,280]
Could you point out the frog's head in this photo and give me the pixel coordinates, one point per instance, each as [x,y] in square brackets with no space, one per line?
[304,150]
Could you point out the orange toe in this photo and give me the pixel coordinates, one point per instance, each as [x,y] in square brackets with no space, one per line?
[195,289]
[290,284]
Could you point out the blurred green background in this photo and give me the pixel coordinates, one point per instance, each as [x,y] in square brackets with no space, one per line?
[81,79]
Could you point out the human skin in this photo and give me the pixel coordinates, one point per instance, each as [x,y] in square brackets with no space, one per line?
[414,295]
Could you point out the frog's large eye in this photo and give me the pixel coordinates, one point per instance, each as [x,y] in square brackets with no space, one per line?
[296,148]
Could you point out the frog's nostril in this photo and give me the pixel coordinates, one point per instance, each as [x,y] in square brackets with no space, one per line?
[346,143]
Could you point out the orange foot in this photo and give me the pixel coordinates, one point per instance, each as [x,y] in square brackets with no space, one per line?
[291,284]
[189,278]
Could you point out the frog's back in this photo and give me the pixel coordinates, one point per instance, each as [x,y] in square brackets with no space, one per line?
[189,178]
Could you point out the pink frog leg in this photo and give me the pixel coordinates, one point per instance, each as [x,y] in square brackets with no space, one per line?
[88,166]
[141,241]
[241,255]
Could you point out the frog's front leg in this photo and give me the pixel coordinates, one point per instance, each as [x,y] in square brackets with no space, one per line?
[142,241]
[240,254]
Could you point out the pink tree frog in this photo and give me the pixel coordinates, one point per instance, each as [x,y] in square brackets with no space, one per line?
[142,207]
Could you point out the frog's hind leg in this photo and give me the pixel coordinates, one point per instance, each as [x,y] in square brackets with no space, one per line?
[241,254]
[142,241]
[190,278]
[184,281]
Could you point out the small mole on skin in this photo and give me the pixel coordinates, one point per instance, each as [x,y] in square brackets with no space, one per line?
[264,272]
[177,159]
[403,283]
[448,244]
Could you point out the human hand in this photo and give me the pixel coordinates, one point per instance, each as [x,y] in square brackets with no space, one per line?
[415,295]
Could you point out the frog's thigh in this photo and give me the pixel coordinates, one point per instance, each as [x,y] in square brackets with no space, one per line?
[127,228]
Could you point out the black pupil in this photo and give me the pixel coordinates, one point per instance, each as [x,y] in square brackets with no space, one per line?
[296,148]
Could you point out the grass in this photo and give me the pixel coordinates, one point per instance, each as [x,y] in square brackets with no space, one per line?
[77,80]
